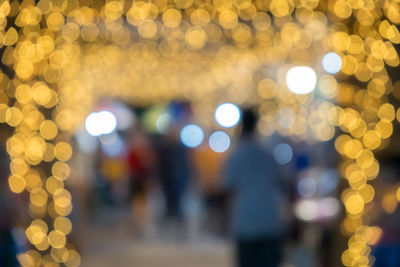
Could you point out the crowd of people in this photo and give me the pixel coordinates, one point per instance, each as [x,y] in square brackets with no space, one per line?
[244,195]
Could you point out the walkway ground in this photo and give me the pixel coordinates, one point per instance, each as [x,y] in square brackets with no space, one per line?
[111,244]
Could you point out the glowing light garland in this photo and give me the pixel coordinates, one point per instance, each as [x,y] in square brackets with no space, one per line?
[65,53]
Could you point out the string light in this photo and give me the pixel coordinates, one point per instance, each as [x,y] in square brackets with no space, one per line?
[67,55]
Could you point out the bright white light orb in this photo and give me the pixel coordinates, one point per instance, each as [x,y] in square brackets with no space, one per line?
[306,210]
[283,153]
[192,135]
[109,121]
[332,63]
[93,125]
[301,80]
[99,123]
[227,115]
[219,141]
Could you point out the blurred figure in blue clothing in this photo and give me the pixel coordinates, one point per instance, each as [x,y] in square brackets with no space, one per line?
[252,176]
[174,174]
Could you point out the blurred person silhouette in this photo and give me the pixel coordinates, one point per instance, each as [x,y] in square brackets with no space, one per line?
[208,165]
[252,177]
[174,173]
[141,160]
[387,249]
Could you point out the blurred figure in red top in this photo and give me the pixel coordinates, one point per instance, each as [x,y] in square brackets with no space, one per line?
[141,161]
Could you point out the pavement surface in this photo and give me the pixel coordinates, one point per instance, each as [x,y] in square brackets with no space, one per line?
[113,243]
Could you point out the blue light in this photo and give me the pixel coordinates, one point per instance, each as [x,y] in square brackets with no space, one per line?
[328,181]
[192,135]
[307,187]
[112,146]
[332,63]
[219,141]
[283,153]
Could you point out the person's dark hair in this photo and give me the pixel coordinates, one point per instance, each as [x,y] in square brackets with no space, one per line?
[249,121]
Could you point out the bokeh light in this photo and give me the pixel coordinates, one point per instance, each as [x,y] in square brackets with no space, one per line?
[192,135]
[332,63]
[227,115]
[150,117]
[283,153]
[66,57]
[219,141]
[163,122]
[307,187]
[286,118]
[86,142]
[112,145]
[328,182]
[99,123]
[329,207]
[301,79]
[306,210]
[124,115]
